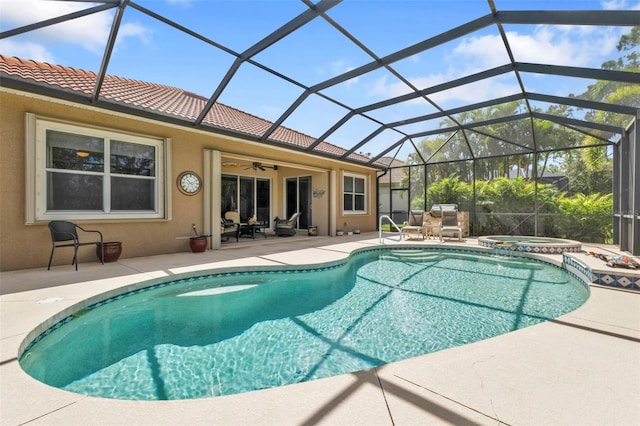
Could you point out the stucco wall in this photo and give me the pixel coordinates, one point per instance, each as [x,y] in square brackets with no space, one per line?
[25,246]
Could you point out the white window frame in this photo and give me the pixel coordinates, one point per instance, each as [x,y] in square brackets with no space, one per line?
[36,172]
[365,193]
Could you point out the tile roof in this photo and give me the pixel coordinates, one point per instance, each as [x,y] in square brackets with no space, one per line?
[160,99]
[396,174]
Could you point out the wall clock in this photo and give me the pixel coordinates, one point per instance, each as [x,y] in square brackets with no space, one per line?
[189,183]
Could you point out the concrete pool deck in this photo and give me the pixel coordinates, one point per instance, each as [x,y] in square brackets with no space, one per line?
[580,369]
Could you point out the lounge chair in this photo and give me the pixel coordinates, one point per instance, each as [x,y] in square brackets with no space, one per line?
[415,226]
[287,227]
[65,234]
[450,224]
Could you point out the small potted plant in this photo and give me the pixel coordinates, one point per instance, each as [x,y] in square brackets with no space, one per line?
[198,244]
[339,232]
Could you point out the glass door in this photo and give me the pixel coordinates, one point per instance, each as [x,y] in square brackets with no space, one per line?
[229,196]
[263,200]
[298,199]
[248,196]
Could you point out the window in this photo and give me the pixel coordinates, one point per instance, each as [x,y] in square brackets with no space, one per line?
[354,194]
[83,173]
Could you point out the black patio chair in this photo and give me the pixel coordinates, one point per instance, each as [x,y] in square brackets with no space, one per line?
[65,234]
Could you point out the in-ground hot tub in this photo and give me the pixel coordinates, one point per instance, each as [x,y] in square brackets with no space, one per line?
[530,244]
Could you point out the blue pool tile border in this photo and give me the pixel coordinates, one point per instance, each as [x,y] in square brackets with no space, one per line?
[617,278]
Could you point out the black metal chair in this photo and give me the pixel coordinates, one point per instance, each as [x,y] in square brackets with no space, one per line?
[65,234]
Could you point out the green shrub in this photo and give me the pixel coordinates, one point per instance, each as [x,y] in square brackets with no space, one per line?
[587,218]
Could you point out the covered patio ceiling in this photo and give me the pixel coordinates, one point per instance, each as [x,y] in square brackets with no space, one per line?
[427,69]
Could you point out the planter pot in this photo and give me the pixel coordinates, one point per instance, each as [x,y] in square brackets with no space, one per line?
[339,233]
[112,251]
[198,244]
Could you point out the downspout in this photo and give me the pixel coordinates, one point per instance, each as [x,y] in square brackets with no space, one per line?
[333,201]
[535,193]
[474,212]
[378,195]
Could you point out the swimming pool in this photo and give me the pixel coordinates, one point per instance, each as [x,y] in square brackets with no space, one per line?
[530,244]
[238,332]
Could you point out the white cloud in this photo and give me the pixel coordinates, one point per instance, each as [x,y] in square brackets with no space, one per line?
[613,4]
[335,68]
[578,46]
[473,54]
[89,32]
[26,50]
[135,30]
[476,92]
[582,46]
[620,5]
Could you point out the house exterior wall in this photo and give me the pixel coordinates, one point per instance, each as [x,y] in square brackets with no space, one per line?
[24,246]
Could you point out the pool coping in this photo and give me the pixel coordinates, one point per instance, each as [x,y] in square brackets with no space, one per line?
[473,383]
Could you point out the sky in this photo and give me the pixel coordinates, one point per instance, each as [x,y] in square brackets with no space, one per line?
[149,50]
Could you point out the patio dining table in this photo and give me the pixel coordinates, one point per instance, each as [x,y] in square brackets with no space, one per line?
[251,229]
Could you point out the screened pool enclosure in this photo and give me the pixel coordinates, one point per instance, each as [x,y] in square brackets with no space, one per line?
[527,119]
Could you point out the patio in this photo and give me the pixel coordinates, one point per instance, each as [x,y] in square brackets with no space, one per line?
[583,368]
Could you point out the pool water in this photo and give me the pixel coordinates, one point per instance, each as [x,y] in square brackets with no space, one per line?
[237,333]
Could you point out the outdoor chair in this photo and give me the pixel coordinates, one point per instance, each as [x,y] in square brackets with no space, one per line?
[450,224]
[415,226]
[232,216]
[65,234]
[229,228]
[287,227]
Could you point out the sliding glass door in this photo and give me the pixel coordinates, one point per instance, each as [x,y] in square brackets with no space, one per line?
[248,196]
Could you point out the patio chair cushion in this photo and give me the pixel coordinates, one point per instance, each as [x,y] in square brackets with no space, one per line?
[450,224]
[415,218]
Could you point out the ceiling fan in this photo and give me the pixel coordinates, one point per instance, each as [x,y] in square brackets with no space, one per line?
[259,166]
